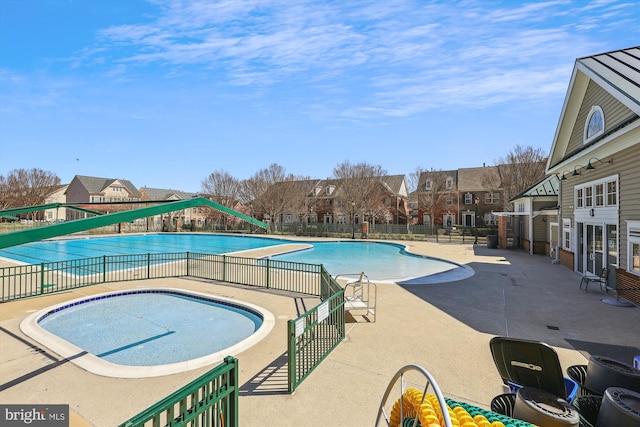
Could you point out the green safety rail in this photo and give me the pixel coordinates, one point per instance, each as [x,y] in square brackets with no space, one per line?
[60,229]
[210,400]
[314,334]
[311,337]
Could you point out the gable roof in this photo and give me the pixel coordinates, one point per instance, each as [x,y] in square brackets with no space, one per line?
[395,184]
[166,194]
[547,186]
[437,174]
[478,179]
[95,185]
[617,73]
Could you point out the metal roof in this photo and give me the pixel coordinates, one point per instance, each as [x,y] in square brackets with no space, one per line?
[619,70]
[548,186]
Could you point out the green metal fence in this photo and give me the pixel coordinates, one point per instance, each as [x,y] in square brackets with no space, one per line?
[211,400]
[38,279]
[314,334]
[311,337]
[433,233]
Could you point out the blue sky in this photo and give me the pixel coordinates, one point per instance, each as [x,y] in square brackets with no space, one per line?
[163,93]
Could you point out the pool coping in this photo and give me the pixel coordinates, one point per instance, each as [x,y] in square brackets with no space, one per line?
[89,362]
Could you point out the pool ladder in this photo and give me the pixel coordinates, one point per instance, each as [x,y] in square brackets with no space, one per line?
[360,295]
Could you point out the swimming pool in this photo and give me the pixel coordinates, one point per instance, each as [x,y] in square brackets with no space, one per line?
[148,332]
[87,247]
[381,261]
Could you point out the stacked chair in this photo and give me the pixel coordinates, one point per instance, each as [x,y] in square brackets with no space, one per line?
[608,394]
[604,393]
[538,391]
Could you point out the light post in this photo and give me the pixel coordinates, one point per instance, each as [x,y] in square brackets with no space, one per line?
[353,219]
[475,219]
[251,215]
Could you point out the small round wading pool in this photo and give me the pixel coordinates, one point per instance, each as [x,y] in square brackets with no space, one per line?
[148,332]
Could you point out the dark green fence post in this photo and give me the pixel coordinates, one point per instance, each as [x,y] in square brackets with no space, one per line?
[104,269]
[42,278]
[224,268]
[187,263]
[148,266]
[268,275]
[234,414]
[291,352]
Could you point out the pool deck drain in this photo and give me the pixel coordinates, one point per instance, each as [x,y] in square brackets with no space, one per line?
[443,327]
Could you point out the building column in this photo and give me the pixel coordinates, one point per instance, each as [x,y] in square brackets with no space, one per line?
[503,221]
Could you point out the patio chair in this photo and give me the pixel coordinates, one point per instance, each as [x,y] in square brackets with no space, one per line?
[524,363]
[601,280]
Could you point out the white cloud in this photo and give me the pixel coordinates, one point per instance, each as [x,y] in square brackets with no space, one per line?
[389,58]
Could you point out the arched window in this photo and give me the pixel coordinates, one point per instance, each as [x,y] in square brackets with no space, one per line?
[594,125]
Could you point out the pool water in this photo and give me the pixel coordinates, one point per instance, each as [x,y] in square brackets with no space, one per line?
[384,262]
[76,248]
[381,261]
[152,327]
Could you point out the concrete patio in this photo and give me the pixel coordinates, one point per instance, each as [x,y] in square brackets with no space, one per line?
[443,327]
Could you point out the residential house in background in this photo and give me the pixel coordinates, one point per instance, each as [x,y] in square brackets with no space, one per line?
[596,155]
[192,217]
[327,201]
[87,189]
[437,198]
[56,196]
[479,196]
[465,196]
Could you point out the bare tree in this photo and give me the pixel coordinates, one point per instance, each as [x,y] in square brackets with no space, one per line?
[4,193]
[273,192]
[223,189]
[414,179]
[521,168]
[27,187]
[255,187]
[360,185]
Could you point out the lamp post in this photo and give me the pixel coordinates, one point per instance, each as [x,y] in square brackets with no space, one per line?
[475,219]
[251,215]
[353,219]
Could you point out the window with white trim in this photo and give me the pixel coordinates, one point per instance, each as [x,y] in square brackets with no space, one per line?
[490,219]
[566,233]
[599,193]
[579,197]
[592,194]
[612,193]
[633,239]
[450,201]
[468,199]
[449,183]
[594,125]
[492,198]
[588,196]
[429,185]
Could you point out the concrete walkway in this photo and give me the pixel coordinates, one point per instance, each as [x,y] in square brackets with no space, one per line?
[444,327]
